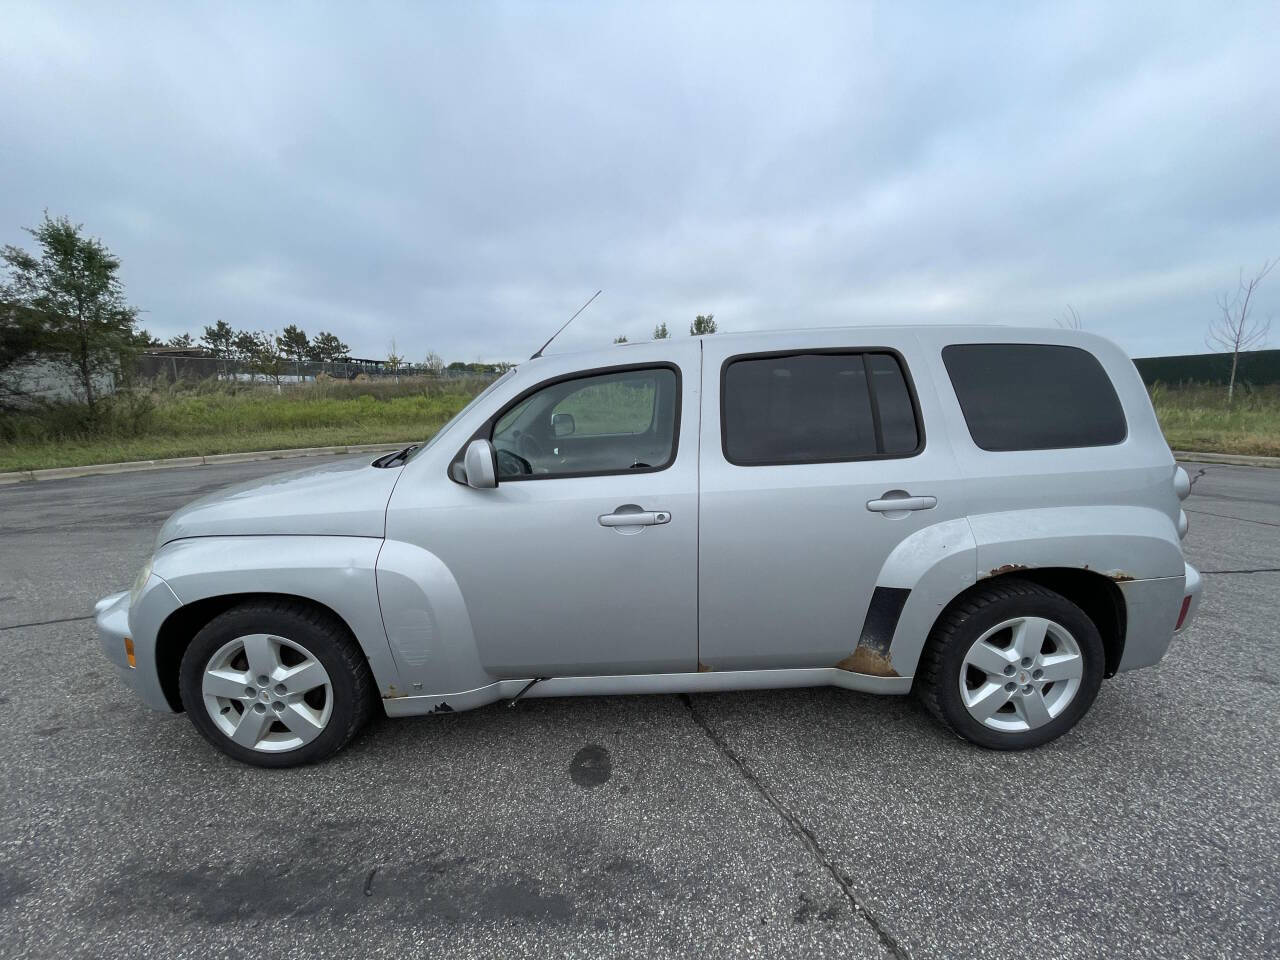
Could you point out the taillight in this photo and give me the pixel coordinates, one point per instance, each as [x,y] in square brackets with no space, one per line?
[1181,483]
[1182,614]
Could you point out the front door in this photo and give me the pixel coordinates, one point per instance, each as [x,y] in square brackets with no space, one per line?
[583,560]
[802,455]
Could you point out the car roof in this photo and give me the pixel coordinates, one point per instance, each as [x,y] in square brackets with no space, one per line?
[780,339]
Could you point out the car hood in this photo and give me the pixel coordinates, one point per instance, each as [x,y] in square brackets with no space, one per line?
[347,498]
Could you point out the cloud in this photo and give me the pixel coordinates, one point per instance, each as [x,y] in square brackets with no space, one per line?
[462,177]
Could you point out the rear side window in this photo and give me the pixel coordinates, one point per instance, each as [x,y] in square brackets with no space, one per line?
[1030,396]
[816,408]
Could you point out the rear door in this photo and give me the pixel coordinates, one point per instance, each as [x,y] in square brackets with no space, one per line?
[803,453]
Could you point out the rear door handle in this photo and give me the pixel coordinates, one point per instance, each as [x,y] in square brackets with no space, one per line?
[893,504]
[642,518]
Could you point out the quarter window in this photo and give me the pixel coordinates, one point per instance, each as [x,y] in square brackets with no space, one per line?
[619,422]
[816,408]
[1033,396]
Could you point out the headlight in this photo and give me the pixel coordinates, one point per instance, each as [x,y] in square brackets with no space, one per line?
[143,576]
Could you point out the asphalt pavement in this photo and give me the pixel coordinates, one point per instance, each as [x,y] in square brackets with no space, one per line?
[806,823]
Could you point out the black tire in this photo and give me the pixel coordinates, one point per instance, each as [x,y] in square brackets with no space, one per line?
[968,618]
[323,636]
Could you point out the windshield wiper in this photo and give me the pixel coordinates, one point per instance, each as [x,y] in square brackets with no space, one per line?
[391,459]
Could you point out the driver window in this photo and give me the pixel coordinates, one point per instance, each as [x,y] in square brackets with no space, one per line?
[611,423]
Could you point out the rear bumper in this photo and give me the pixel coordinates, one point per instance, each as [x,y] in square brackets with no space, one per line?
[1154,612]
[1191,598]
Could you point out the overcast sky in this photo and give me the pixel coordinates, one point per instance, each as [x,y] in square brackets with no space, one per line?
[462,176]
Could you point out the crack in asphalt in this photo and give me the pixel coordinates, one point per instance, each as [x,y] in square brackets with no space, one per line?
[1227,516]
[799,830]
[1253,570]
[45,623]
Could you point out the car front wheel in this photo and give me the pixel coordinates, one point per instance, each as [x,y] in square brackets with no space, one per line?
[1011,666]
[276,684]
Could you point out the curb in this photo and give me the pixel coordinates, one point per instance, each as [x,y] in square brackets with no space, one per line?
[66,473]
[1235,459]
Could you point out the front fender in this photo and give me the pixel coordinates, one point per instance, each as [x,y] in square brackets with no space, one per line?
[427,621]
[336,572]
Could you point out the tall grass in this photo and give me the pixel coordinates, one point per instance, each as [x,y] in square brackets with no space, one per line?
[175,420]
[1198,417]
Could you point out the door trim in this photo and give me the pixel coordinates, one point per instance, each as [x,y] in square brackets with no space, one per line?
[642,683]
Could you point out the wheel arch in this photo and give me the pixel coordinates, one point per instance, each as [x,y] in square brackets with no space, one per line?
[1096,594]
[181,626]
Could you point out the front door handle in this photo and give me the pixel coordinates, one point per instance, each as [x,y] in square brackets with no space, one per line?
[888,504]
[637,518]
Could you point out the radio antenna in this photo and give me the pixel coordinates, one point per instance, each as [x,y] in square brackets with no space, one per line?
[566,323]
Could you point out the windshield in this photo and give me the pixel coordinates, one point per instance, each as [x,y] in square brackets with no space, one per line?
[461,413]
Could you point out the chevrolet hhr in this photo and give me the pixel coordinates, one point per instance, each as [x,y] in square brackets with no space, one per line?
[988,517]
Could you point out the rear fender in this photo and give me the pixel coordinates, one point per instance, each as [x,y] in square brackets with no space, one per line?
[1123,543]
[1136,547]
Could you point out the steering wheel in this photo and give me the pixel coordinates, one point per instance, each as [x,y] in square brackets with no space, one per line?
[512,464]
[528,445]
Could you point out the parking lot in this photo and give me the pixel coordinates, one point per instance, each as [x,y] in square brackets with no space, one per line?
[800,823]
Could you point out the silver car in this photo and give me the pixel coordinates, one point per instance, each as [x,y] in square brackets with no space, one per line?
[986,516]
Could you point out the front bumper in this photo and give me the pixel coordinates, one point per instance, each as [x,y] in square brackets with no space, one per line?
[117,619]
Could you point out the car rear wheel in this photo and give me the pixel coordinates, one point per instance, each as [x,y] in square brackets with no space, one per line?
[1011,666]
[276,684]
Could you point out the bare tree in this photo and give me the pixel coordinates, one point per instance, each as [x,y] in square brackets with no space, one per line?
[1070,320]
[395,359]
[267,357]
[433,364]
[1234,329]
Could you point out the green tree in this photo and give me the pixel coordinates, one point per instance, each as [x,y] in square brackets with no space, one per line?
[73,286]
[703,325]
[660,331]
[144,340]
[294,343]
[182,340]
[219,338]
[621,339]
[244,345]
[268,356]
[325,347]
[395,359]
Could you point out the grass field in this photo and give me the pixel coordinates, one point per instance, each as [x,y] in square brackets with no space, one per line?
[223,418]
[1197,418]
[212,417]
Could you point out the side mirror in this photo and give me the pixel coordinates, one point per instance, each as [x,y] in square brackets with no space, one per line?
[480,463]
[563,425]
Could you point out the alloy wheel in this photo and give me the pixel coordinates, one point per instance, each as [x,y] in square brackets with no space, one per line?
[267,693]
[1021,674]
